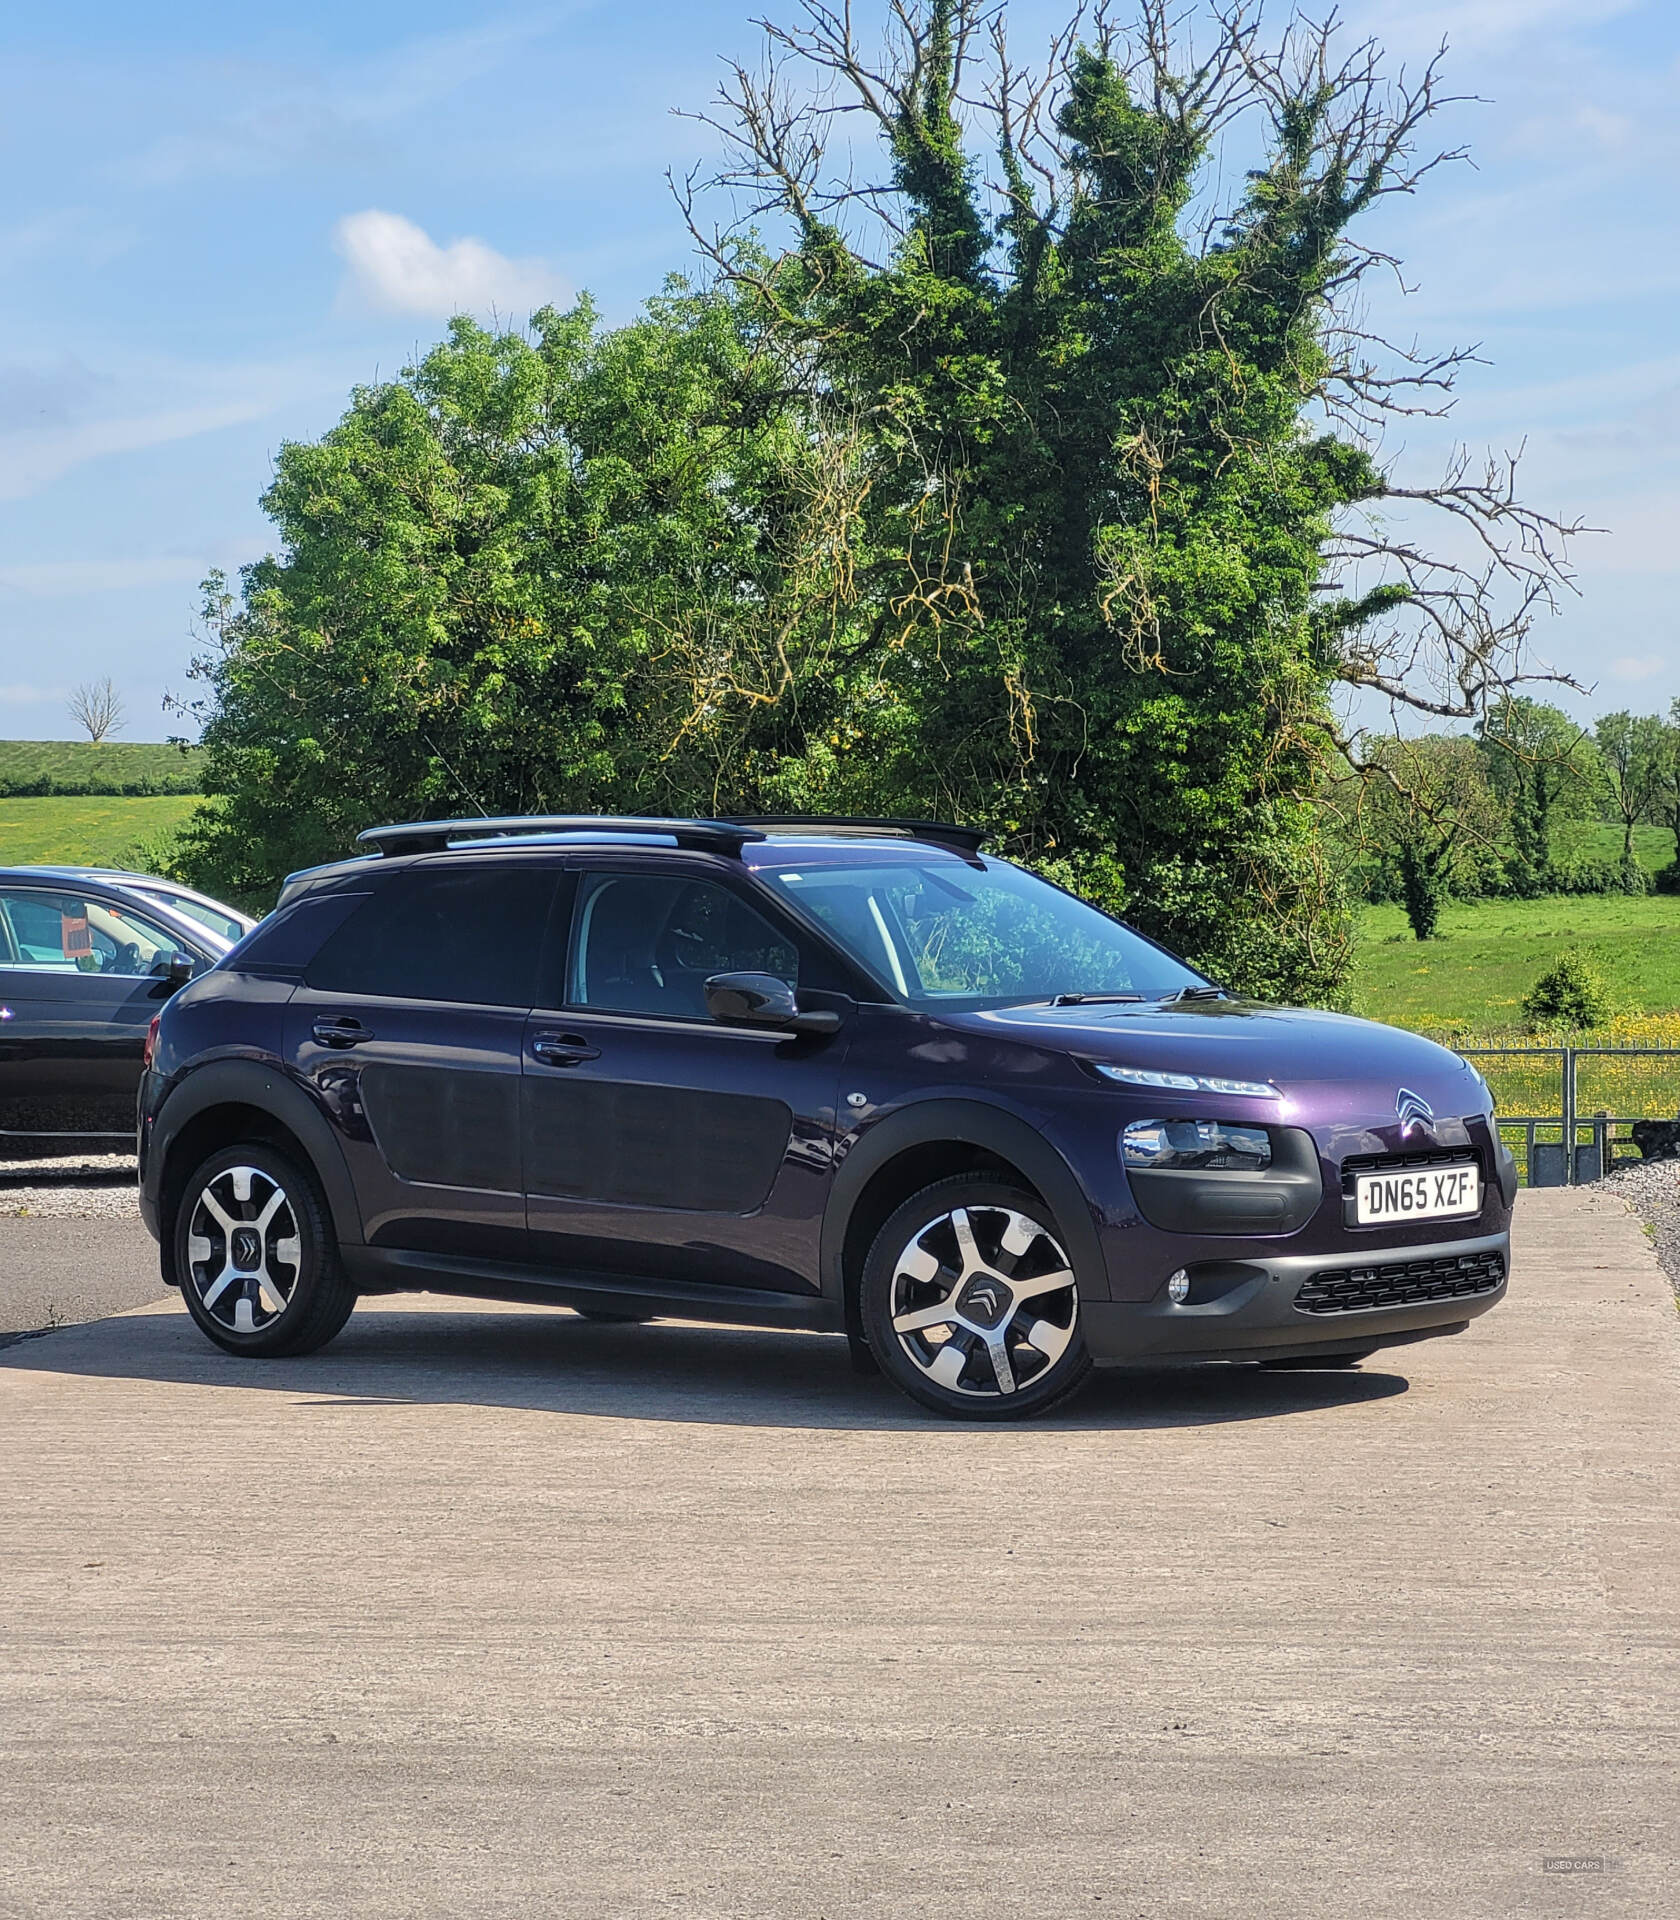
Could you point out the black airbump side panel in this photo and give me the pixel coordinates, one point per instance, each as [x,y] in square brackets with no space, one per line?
[630,1146]
[446,1127]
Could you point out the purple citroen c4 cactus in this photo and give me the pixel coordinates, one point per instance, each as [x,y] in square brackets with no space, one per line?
[853,1076]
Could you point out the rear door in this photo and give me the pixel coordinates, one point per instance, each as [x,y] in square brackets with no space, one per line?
[80,979]
[658,1143]
[409,1028]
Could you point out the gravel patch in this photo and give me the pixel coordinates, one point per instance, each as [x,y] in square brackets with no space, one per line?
[70,1202]
[98,1186]
[1652,1189]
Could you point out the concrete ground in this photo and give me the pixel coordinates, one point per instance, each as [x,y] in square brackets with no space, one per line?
[71,1243]
[54,1273]
[494,1612]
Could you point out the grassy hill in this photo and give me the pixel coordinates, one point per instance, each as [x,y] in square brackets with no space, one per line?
[134,767]
[1490,952]
[92,830]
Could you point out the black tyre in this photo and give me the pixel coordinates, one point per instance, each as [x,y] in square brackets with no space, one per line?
[970,1305]
[1317,1362]
[255,1255]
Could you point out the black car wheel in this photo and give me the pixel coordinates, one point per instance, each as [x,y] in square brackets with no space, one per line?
[970,1304]
[255,1255]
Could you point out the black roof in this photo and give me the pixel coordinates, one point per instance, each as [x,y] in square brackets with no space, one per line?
[726,836]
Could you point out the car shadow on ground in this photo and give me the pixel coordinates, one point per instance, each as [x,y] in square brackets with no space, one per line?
[554,1362]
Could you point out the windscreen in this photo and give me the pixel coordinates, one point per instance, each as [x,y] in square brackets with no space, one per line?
[943,932]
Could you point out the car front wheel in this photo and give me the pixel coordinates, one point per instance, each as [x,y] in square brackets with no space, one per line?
[255,1255]
[970,1305]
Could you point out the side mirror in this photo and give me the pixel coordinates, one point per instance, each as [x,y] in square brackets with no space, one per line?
[181,968]
[762,1000]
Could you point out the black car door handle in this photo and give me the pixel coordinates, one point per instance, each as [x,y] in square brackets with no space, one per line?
[341,1033]
[563,1049]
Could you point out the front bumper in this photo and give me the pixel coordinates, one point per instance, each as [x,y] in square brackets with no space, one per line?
[1253,1313]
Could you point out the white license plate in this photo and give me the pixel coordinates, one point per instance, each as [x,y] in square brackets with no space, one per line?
[1425,1193]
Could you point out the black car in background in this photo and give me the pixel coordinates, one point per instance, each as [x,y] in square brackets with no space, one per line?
[85,967]
[226,923]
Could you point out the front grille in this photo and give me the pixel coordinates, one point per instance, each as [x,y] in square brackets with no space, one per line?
[1406,1162]
[1400,1283]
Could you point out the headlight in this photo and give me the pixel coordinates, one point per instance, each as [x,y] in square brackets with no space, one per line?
[1188,1082]
[1184,1144]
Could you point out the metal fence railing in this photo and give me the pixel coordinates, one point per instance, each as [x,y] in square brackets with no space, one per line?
[1565,1111]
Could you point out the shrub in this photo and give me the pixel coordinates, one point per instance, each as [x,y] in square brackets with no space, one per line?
[1600,877]
[1571,993]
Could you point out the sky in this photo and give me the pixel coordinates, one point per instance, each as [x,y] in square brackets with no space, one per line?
[218,220]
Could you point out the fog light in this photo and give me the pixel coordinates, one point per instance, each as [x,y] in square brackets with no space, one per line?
[1178,1288]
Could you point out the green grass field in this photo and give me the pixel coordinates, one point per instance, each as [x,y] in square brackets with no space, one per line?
[1491,952]
[96,830]
[127,767]
[1653,847]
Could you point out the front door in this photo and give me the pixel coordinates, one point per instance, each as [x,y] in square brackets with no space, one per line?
[657,1143]
[80,979]
[408,1026]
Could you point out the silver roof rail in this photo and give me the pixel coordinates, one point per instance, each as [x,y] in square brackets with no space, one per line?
[436,836]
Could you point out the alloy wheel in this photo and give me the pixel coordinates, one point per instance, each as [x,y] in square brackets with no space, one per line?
[983,1301]
[244,1251]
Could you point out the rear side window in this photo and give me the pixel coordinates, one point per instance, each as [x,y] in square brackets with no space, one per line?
[291,936]
[474,937]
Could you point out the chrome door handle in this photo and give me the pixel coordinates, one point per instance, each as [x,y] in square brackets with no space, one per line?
[563,1049]
[341,1033]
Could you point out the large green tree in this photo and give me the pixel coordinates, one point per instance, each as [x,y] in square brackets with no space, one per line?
[1428,813]
[500,583]
[1020,471]
[1126,527]
[1542,765]
[1665,809]
[1633,752]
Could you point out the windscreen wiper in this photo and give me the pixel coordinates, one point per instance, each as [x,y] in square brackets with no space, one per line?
[1197,993]
[1091,999]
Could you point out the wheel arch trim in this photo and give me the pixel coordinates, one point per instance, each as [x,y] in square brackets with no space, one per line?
[970,1123]
[250,1083]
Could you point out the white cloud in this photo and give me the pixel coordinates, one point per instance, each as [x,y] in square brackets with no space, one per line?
[398,267]
[1643,666]
[34,458]
[60,579]
[19,695]
[49,426]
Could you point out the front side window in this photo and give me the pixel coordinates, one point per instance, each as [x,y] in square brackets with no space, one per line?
[471,937]
[648,943]
[943,932]
[72,933]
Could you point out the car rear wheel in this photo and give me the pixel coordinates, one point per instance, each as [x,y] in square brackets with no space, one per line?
[255,1255]
[970,1305]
